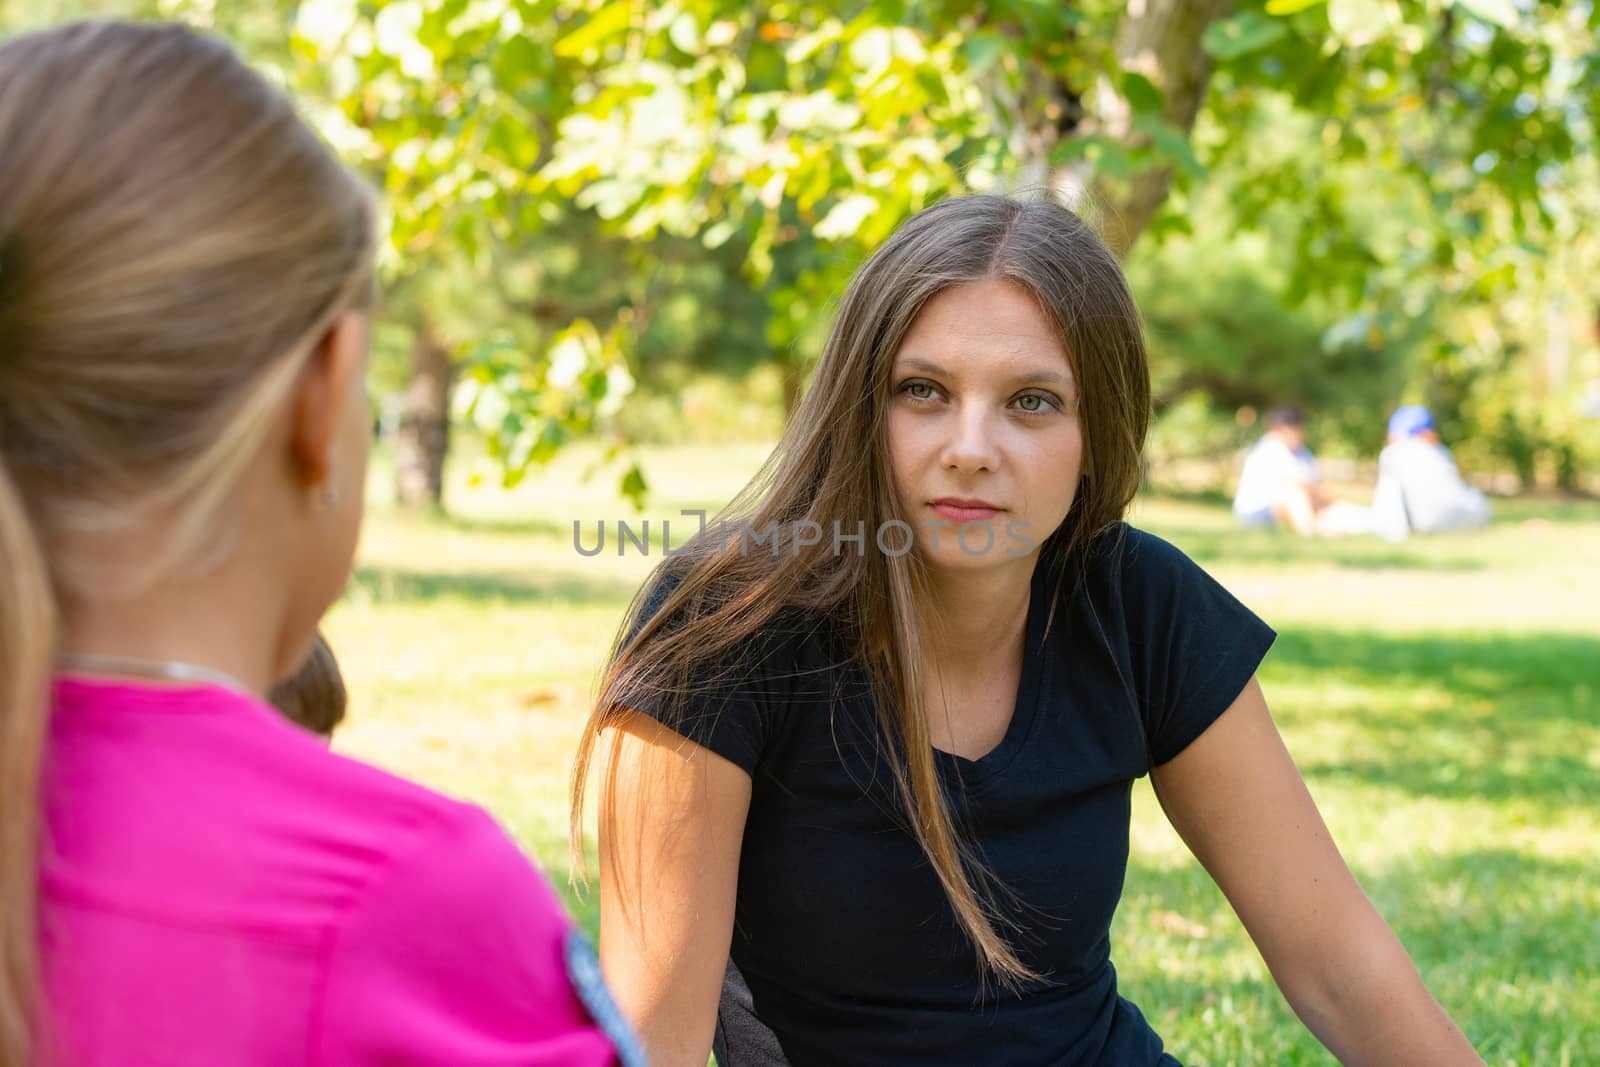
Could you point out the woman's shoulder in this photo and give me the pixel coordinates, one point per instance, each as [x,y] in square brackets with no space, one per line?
[422,865]
[344,822]
[224,758]
[334,817]
[381,798]
[1129,559]
[141,807]
[1131,580]
[787,630]
[414,863]
[461,941]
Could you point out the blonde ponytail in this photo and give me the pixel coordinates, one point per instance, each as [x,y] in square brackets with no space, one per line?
[27,639]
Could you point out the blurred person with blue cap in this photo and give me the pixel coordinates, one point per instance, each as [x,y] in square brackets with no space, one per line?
[1412,420]
[1420,490]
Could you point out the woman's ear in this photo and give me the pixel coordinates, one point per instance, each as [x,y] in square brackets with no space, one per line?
[332,375]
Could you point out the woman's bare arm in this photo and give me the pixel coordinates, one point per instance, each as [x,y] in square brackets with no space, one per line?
[1237,800]
[671,824]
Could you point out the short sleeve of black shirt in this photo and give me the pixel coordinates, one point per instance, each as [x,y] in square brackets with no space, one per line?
[729,705]
[1191,645]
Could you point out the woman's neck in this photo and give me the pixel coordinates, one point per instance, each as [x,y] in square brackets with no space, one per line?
[970,617]
[226,622]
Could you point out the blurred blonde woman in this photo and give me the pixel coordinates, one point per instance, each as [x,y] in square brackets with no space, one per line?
[185,877]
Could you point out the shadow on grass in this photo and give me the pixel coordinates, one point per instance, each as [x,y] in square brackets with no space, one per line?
[1570,510]
[1511,729]
[646,527]
[1502,938]
[1502,668]
[1162,494]
[529,526]
[1282,547]
[390,585]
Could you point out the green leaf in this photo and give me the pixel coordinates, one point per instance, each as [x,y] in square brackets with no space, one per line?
[1290,7]
[845,217]
[634,487]
[719,233]
[1502,13]
[513,476]
[513,142]
[515,61]
[983,51]
[805,46]
[552,435]
[1108,156]
[1169,224]
[1172,143]
[685,34]
[871,53]
[1241,35]
[1358,23]
[1067,151]
[604,24]
[1142,94]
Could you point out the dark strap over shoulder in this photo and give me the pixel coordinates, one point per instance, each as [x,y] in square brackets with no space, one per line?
[742,1039]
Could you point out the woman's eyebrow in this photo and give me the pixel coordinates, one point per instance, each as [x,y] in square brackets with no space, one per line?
[917,363]
[1033,377]
[1042,377]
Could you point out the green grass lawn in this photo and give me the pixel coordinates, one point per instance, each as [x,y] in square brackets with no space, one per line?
[1442,698]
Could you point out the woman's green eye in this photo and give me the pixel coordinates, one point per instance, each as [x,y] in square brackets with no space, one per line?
[1033,403]
[920,390]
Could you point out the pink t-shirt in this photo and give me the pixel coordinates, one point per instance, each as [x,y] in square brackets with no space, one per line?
[219,888]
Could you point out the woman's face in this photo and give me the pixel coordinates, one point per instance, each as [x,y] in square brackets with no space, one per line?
[985,446]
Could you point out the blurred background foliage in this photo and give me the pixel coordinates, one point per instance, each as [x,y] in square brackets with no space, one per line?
[628,222]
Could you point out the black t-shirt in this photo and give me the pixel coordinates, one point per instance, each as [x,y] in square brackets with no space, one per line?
[848,947]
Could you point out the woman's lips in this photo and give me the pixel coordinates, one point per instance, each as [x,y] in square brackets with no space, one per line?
[963,512]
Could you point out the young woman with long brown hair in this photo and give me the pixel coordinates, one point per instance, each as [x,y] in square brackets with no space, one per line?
[185,877]
[869,740]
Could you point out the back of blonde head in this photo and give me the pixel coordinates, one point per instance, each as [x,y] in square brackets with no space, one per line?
[172,236]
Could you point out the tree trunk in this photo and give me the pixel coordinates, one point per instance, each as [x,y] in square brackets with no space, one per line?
[424,437]
[1161,40]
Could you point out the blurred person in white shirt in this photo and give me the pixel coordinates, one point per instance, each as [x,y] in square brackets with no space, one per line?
[1279,485]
